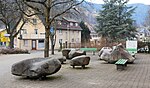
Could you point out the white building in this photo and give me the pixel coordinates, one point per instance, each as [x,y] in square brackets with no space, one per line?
[32,35]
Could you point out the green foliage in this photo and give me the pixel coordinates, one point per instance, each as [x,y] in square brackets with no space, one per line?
[114,21]
[85,33]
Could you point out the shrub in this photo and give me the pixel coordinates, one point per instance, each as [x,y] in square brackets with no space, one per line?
[13,51]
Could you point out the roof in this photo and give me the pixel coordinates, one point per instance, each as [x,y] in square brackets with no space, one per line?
[91,28]
[145,31]
[70,20]
[63,26]
[2,30]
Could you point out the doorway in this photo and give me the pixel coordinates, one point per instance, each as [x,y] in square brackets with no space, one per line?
[33,44]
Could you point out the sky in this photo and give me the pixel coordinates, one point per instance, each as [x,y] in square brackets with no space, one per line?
[147,2]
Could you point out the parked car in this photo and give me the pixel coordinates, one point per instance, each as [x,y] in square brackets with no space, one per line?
[143,50]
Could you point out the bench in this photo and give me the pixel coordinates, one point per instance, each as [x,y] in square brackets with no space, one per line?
[89,49]
[121,64]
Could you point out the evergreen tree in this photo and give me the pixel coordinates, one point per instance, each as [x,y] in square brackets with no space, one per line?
[85,33]
[115,20]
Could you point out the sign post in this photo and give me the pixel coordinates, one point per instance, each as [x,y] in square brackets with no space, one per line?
[52,30]
[131,46]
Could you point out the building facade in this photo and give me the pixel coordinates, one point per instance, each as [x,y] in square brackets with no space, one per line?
[4,38]
[32,35]
[143,34]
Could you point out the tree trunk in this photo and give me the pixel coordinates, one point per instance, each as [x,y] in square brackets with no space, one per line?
[52,44]
[11,43]
[46,50]
[47,32]
[103,42]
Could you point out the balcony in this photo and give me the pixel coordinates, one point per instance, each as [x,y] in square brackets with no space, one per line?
[33,36]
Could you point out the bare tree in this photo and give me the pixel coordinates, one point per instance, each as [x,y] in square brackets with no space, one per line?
[11,17]
[49,10]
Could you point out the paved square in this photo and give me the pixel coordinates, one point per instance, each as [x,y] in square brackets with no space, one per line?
[97,74]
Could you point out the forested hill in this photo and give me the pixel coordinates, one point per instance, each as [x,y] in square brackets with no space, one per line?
[139,15]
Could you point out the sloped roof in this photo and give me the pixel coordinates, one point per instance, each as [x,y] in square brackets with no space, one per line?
[145,31]
[69,19]
[2,30]
[91,28]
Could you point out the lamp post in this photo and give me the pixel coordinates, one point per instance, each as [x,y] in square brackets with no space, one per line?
[68,35]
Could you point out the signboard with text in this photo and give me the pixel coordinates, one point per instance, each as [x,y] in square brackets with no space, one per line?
[131,46]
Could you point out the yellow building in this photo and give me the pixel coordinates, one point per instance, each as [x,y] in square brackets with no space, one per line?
[4,39]
[32,34]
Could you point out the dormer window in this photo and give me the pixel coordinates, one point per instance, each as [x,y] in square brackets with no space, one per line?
[59,22]
[76,24]
[34,21]
[71,24]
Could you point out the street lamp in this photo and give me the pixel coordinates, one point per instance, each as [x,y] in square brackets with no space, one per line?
[68,39]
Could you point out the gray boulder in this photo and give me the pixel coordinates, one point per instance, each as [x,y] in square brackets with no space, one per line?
[65,52]
[36,67]
[119,52]
[80,61]
[62,59]
[74,53]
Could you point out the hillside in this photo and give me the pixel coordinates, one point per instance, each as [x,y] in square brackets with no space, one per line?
[139,15]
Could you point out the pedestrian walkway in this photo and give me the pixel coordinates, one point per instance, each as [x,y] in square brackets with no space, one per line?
[98,74]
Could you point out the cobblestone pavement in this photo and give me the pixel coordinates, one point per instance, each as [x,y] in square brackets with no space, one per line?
[97,74]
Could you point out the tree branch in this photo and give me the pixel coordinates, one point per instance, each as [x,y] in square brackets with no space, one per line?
[62,2]
[25,13]
[66,10]
[38,2]
[16,25]
[19,29]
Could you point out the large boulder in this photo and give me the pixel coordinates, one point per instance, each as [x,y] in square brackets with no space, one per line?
[111,56]
[36,67]
[75,53]
[126,55]
[80,61]
[105,53]
[62,59]
[65,52]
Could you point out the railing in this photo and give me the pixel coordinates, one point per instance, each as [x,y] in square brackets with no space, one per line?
[33,36]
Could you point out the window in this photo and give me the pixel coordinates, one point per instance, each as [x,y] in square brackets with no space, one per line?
[60,31]
[42,33]
[36,31]
[59,22]
[64,23]
[66,35]
[77,40]
[25,43]
[76,24]
[1,43]
[4,43]
[34,21]
[24,31]
[73,40]
[41,43]
[71,24]
[60,40]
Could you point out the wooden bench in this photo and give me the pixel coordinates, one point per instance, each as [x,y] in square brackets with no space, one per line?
[89,49]
[121,64]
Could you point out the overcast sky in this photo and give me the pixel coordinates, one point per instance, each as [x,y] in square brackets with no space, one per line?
[147,2]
